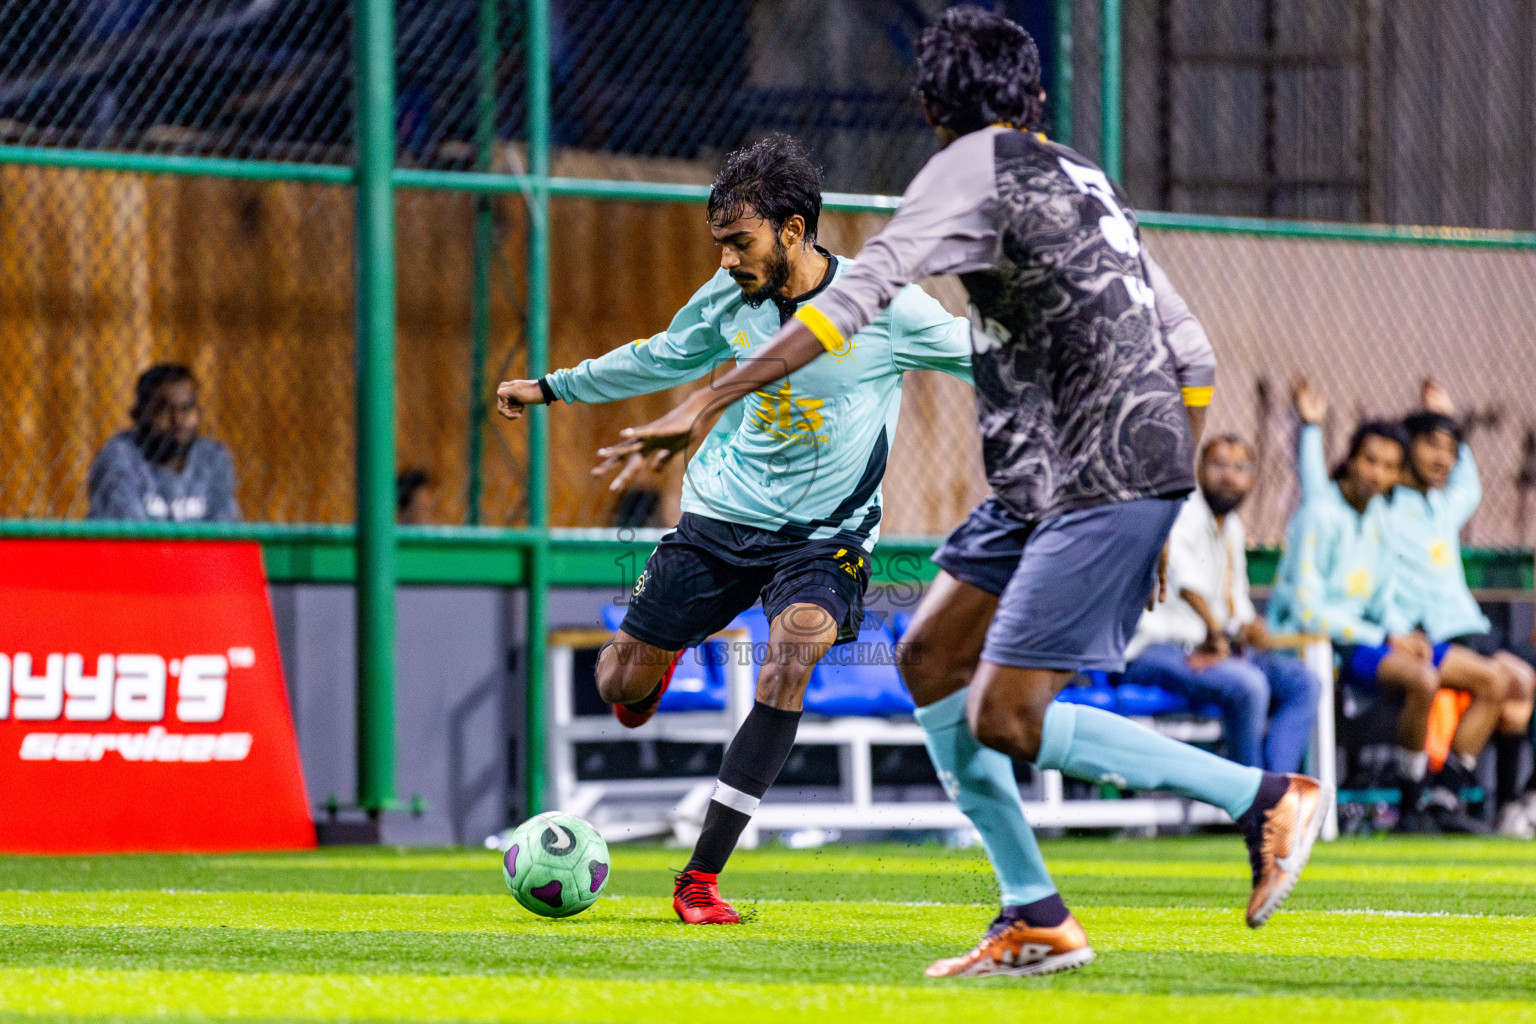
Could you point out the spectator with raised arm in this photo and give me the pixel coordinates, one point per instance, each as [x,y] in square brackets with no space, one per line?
[1429,509]
[1341,576]
[160,468]
[1207,642]
[1336,578]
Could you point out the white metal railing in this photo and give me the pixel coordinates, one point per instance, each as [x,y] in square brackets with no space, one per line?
[635,808]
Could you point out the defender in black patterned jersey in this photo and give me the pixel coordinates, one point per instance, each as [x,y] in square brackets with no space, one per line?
[1088,419]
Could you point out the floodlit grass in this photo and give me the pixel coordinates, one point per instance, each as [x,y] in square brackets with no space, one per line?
[1392,930]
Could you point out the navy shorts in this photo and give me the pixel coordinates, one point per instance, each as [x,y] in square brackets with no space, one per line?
[706,572]
[1070,588]
[1360,664]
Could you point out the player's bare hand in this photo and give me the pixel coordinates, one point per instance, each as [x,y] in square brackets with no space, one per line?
[1437,399]
[514,395]
[1311,406]
[633,467]
[671,433]
[1160,591]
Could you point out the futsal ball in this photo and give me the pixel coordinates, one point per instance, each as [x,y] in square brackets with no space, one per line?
[557,864]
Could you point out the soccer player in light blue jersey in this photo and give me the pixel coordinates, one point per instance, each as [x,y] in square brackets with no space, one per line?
[1088,433]
[782,500]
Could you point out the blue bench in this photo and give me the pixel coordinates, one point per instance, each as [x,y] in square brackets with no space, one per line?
[861,679]
[1105,690]
[854,679]
[699,682]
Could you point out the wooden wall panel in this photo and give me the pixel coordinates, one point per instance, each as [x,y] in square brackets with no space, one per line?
[251,284]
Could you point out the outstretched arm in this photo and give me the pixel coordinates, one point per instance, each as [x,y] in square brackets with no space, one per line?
[924,336]
[1194,358]
[1463,489]
[1311,463]
[685,351]
[791,348]
[944,225]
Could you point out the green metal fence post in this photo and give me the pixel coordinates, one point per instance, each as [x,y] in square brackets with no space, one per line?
[538,67]
[1060,98]
[1111,158]
[374,30]
[485,242]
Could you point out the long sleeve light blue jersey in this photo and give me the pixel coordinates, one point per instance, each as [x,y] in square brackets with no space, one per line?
[1338,574]
[807,454]
[1425,532]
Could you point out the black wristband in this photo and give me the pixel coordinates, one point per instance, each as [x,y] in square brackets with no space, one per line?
[550,398]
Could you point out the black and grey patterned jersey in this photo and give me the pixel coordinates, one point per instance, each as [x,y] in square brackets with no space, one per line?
[1084,357]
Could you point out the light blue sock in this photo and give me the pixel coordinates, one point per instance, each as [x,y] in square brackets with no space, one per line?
[980,781]
[1096,746]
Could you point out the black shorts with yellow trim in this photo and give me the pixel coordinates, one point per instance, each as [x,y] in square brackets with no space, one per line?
[707,571]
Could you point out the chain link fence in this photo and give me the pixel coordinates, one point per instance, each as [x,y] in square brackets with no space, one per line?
[247,284]
[1387,110]
[1367,323]
[1390,111]
[254,79]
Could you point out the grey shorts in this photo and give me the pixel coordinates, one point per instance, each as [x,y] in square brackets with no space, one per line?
[1070,588]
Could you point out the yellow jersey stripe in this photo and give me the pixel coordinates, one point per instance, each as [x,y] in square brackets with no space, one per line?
[1197,398]
[826,332]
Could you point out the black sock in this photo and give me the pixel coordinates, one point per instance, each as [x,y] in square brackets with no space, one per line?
[1043,913]
[752,761]
[1509,751]
[1271,788]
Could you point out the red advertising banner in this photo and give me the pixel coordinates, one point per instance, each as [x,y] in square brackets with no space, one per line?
[142,705]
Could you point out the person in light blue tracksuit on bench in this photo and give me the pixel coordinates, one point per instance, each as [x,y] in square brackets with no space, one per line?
[1429,509]
[1341,577]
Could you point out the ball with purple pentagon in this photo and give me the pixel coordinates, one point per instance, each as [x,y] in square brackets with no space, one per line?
[556,864]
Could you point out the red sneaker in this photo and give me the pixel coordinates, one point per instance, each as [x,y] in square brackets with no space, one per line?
[696,898]
[633,716]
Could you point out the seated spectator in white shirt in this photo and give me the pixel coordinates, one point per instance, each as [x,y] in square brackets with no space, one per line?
[1207,642]
[160,469]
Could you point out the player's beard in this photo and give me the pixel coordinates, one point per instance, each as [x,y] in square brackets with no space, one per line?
[775,277]
[161,447]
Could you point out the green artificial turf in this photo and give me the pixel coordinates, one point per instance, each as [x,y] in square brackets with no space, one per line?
[1397,929]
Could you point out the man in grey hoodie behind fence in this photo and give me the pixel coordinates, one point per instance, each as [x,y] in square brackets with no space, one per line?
[159,468]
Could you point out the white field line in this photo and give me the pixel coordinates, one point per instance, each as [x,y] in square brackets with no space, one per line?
[1192,911]
[1213,911]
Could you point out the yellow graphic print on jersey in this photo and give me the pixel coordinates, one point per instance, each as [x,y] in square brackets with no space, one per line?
[779,414]
[844,352]
[1359,583]
[1440,553]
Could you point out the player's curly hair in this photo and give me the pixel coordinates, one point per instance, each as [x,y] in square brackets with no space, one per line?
[775,178]
[976,68]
